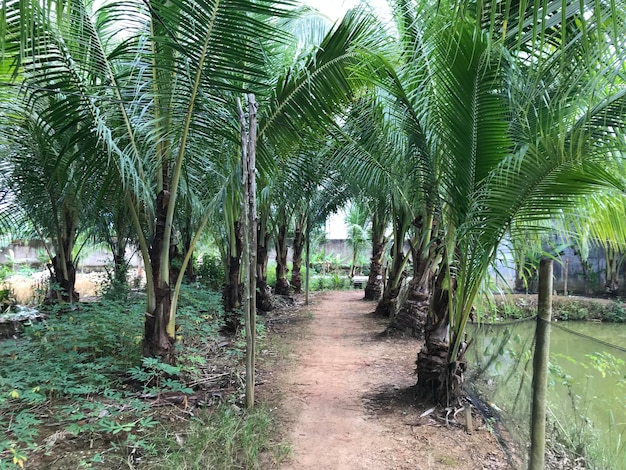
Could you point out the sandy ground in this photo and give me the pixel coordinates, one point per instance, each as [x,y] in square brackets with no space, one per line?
[347,399]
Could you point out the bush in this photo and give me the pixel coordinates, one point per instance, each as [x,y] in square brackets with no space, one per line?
[210,271]
[115,286]
[83,369]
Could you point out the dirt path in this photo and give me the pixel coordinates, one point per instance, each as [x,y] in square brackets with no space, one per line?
[348,399]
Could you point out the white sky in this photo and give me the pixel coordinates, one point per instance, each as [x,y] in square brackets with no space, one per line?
[335,9]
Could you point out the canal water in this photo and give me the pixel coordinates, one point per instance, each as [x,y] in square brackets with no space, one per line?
[587,390]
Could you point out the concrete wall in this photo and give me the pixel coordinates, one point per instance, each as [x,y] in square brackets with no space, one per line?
[34,255]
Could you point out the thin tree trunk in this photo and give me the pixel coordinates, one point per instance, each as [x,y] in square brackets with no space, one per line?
[298,249]
[612,274]
[190,275]
[566,274]
[374,286]
[308,262]
[282,284]
[520,285]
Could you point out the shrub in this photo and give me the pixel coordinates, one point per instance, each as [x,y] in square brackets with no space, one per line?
[210,271]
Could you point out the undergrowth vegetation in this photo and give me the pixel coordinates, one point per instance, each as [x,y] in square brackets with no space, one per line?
[74,389]
[563,308]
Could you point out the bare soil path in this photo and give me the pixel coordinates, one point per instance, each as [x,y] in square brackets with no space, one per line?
[348,403]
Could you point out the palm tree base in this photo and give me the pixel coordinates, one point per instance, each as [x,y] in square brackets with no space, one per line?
[438,379]
[411,316]
[387,304]
[282,287]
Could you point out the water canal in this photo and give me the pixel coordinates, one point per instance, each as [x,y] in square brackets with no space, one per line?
[587,390]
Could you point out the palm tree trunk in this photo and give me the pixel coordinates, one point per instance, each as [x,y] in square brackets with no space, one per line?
[64,277]
[440,377]
[298,249]
[412,315]
[233,290]
[611,283]
[387,304]
[157,342]
[432,360]
[282,285]
[263,293]
[374,286]
[519,285]
[187,235]
[63,270]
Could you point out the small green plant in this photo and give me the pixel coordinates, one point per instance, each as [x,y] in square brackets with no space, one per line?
[616,313]
[114,286]
[210,271]
[571,311]
[156,376]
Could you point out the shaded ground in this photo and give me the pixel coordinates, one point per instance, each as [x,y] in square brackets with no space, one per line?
[346,399]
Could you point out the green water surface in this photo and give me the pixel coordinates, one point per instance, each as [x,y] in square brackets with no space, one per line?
[587,391]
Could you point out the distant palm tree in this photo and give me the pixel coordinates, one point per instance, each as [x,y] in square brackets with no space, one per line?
[356,220]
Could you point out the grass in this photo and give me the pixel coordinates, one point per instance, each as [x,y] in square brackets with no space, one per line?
[79,377]
[224,438]
[317,282]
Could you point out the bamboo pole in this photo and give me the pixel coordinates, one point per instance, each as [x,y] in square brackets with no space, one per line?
[248,221]
[308,260]
[566,277]
[540,367]
[252,224]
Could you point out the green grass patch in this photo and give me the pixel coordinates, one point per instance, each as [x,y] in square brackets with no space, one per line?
[79,377]
[226,437]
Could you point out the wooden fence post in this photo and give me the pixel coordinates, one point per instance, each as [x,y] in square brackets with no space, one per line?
[308,258]
[540,367]
[249,224]
[566,276]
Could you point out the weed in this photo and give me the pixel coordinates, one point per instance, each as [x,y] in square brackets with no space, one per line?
[224,438]
[79,372]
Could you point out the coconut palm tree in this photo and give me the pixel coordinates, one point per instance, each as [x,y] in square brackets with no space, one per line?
[158,101]
[364,132]
[518,143]
[49,186]
[356,220]
[508,116]
[598,221]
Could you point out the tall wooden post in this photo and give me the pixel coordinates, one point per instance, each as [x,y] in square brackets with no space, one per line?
[566,276]
[308,260]
[540,367]
[249,224]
